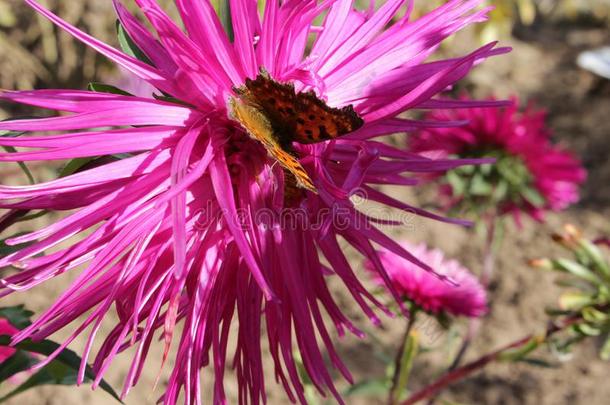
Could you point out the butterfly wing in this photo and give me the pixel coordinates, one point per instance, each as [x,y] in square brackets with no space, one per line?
[259,128]
[317,122]
[276,100]
[298,117]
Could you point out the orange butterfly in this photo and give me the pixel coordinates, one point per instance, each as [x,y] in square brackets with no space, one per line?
[276,115]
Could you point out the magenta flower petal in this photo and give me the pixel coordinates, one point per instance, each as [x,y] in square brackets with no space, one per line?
[197,225]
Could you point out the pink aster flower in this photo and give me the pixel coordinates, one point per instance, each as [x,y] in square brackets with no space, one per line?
[531,174]
[191,225]
[464,296]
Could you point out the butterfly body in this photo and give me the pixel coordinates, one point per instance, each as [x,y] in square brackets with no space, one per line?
[276,115]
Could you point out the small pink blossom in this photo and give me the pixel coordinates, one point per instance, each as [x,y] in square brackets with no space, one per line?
[552,172]
[463,296]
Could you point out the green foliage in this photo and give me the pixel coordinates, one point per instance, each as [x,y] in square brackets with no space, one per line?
[81,164]
[585,279]
[10,149]
[481,189]
[6,249]
[106,88]
[406,364]
[537,362]
[17,316]
[223,9]
[375,388]
[129,46]
[521,353]
[62,370]
[170,99]
[74,166]
[19,362]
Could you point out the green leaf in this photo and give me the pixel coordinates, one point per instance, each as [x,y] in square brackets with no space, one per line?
[10,134]
[457,183]
[121,156]
[587,329]
[605,351]
[595,316]
[575,283]
[533,196]
[107,88]
[369,388]
[63,370]
[79,164]
[33,216]
[486,169]
[596,256]
[55,373]
[6,250]
[170,99]
[575,300]
[520,352]
[578,270]
[479,186]
[557,312]
[500,192]
[223,9]
[74,165]
[15,134]
[514,170]
[533,361]
[129,46]
[466,170]
[20,361]
[18,316]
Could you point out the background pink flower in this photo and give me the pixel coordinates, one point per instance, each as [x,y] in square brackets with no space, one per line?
[531,174]
[463,296]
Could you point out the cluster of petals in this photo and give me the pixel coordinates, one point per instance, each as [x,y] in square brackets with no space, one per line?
[173,233]
[463,296]
[555,172]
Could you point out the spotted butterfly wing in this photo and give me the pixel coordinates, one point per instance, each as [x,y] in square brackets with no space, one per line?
[298,117]
[275,115]
[317,122]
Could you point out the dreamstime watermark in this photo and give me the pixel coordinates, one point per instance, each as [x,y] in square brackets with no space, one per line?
[429,330]
[341,216]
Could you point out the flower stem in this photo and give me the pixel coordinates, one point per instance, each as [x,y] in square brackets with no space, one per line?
[489,264]
[489,254]
[11,218]
[403,362]
[460,373]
